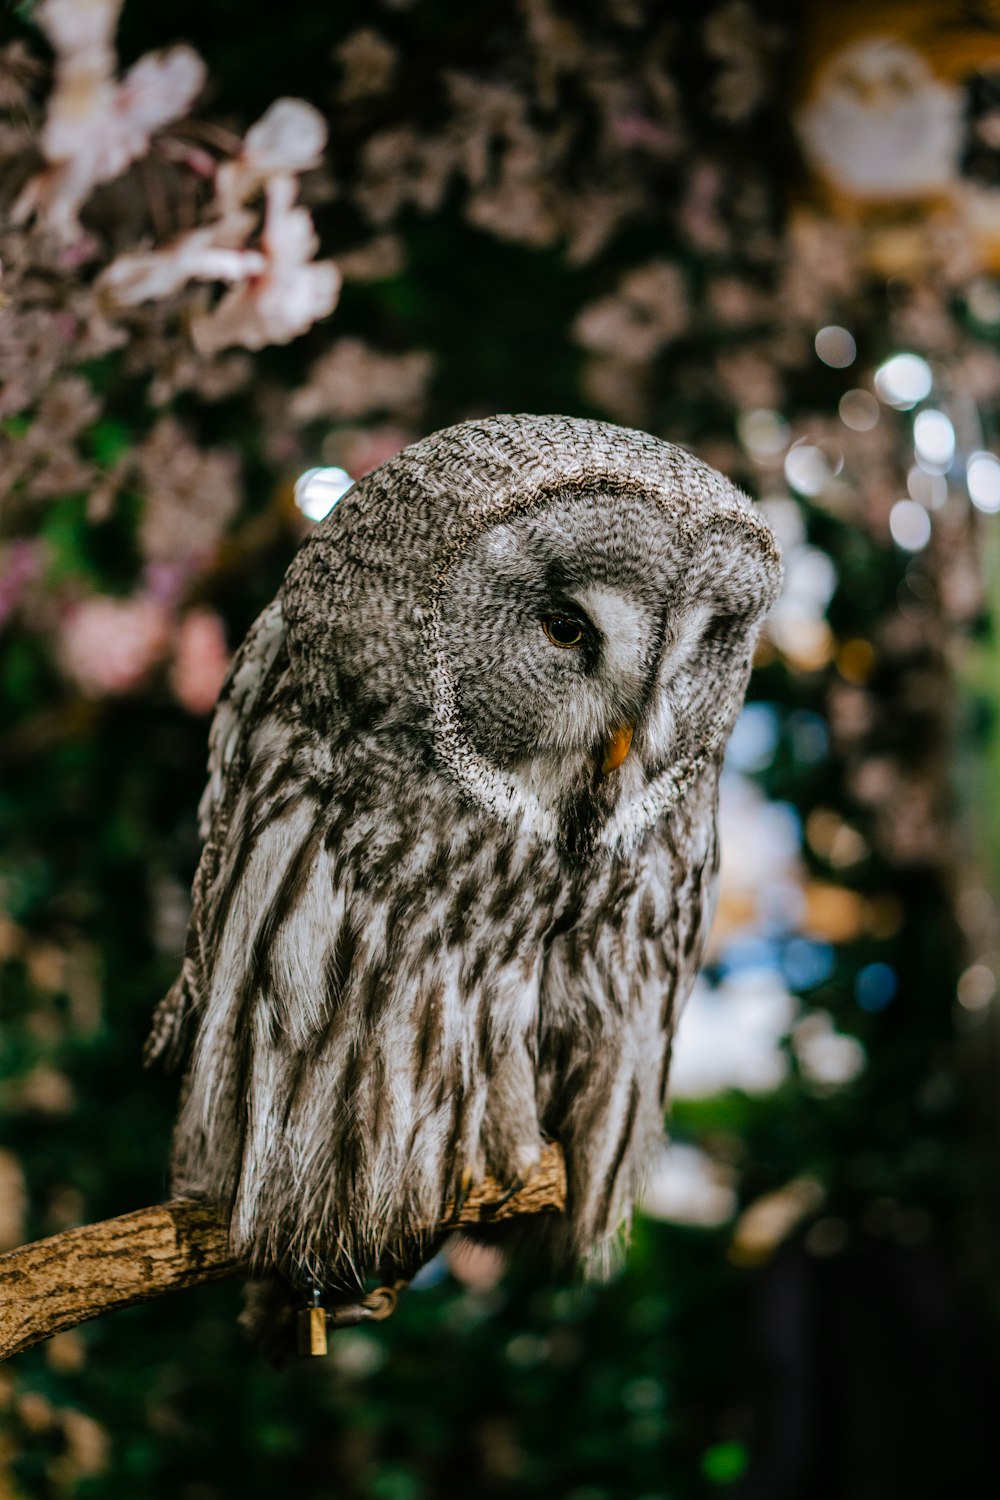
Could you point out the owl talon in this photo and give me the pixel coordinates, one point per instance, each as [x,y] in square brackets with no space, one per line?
[498,1203]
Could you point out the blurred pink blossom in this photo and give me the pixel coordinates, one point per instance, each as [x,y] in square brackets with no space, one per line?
[479,1267]
[200,660]
[647,310]
[375,447]
[352,381]
[277,291]
[166,581]
[361,449]
[107,645]
[701,212]
[632,129]
[213,253]
[20,564]
[287,139]
[191,495]
[95,127]
[369,64]
[289,295]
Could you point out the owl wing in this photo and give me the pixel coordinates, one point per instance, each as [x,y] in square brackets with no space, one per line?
[239,698]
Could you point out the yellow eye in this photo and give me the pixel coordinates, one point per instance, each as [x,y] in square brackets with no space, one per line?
[563,631]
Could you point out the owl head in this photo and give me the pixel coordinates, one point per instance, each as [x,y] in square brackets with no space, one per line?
[559,613]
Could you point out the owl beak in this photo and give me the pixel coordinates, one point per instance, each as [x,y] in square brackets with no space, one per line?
[616,748]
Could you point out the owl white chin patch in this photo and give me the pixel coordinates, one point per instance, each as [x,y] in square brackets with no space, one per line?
[635,816]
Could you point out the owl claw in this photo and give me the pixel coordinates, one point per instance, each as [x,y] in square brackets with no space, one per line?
[512,1192]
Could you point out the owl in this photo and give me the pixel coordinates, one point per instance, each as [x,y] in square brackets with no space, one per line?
[460,844]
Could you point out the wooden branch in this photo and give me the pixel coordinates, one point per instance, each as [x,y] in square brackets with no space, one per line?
[57,1283]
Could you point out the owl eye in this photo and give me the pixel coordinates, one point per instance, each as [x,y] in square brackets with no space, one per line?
[563,631]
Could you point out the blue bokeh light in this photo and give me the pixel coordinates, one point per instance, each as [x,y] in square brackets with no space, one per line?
[810,738]
[807,964]
[754,738]
[875,986]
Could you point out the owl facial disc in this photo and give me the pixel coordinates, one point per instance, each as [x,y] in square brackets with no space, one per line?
[517,593]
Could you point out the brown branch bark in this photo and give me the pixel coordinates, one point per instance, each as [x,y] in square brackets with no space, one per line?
[57,1283]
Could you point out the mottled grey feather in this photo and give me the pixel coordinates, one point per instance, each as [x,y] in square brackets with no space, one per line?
[427,932]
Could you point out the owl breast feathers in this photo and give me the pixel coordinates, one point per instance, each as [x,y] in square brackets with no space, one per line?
[460,842]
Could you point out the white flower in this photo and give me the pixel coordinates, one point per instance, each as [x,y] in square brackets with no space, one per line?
[291,292]
[212,253]
[157,89]
[288,138]
[278,290]
[81,32]
[95,127]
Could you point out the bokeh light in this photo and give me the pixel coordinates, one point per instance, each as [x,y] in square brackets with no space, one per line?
[910,525]
[687,1186]
[808,469]
[858,410]
[875,986]
[983,301]
[825,1055]
[982,474]
[904,380]
[976,987]
[318,490]
[836,347]
[929,490]
[764,434]
[934,440]
[754,738]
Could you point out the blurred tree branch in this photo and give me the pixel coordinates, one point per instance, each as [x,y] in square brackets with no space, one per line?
[54,1284]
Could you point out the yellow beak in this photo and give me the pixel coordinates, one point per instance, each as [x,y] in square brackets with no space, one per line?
[617,748]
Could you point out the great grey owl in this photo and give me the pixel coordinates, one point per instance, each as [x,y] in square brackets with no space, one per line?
[460,843]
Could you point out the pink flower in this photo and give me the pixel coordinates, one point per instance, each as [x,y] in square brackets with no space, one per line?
[200,660]
[288,138]
[108,645]
[634,130]
[20,565]
[95,127]
[352,380]
[212,253]
[361,449]
[479,1267]
[278,290]
[289,295]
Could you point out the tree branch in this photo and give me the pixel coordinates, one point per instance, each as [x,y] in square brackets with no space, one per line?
[57,1283]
